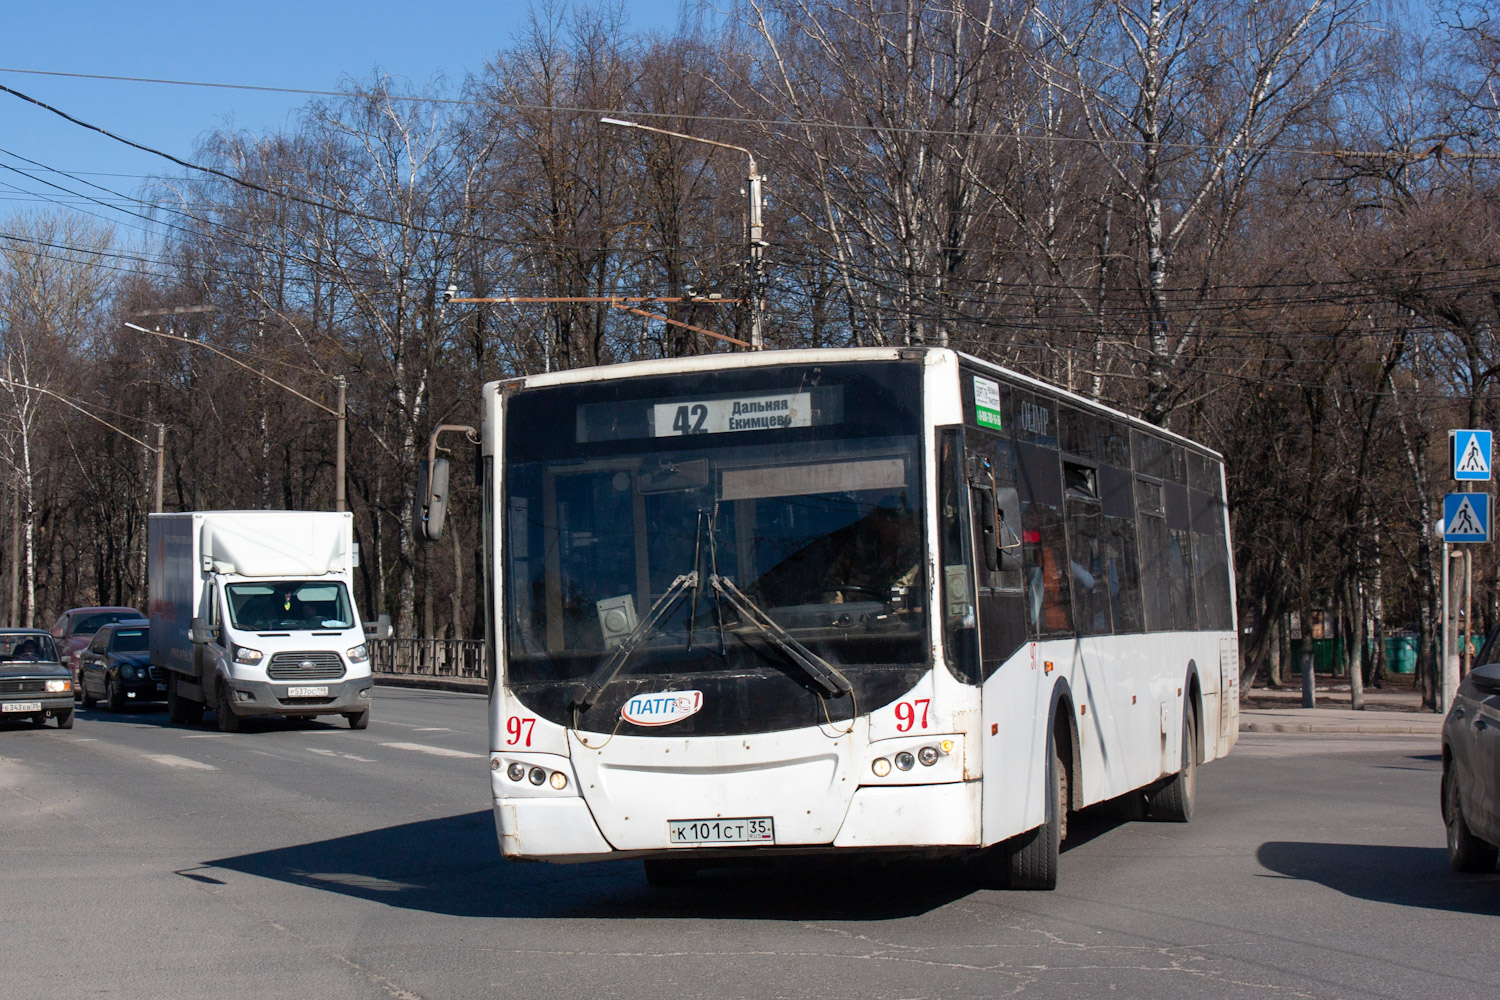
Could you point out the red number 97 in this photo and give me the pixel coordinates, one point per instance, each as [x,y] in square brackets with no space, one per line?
[514,726]
[906,714]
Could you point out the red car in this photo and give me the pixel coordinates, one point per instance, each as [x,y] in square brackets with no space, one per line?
[73,630]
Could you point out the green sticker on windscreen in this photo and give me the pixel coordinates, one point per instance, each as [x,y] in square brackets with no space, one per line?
[987,403]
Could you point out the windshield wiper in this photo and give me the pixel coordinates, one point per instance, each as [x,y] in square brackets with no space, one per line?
[600,678]
[820,670]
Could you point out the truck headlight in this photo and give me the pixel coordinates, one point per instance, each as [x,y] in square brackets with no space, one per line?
[358,654]
[246,655]
[59,686]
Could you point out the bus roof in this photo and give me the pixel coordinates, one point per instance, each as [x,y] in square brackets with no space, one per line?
[828,355]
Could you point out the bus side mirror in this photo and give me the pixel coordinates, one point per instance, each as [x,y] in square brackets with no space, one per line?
[432,498]
[988,543]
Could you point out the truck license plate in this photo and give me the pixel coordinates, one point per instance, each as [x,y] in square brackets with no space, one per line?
[313,692]
[711,832]
[21,706]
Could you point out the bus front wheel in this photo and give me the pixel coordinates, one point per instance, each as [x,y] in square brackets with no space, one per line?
[1031,860]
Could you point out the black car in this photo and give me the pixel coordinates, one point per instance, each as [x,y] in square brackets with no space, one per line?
[34,685]
[1471,766]
[115,667]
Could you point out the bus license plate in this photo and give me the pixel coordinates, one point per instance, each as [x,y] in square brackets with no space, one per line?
[711,832]
[21,706]
[316,692]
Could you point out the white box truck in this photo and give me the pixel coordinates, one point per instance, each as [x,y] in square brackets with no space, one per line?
[252,614]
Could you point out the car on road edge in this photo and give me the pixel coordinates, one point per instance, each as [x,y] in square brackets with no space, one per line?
[33,685]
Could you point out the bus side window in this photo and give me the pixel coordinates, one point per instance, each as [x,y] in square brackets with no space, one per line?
[1048,594]
[960,635]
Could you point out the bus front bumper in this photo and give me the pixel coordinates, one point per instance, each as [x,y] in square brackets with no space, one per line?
[902,817]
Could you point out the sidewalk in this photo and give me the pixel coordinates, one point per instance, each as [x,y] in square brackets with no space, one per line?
[467,685]
[1387,711]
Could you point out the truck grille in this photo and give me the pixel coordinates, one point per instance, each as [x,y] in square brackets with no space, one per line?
[316,665]
[22,687]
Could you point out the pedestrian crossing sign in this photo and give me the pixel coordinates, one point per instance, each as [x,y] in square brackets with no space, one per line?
[1466,517]
[1471,455]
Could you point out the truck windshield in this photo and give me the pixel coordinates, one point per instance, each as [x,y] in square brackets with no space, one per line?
[283,605]
[800,485]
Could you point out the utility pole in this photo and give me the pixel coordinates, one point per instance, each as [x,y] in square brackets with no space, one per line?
[754,230]
[340,503]
[161,453]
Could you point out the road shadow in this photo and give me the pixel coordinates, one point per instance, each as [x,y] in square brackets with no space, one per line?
[1405,876]
[452,866]
[133,712]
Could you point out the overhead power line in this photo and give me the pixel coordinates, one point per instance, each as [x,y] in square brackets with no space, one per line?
[1437,151]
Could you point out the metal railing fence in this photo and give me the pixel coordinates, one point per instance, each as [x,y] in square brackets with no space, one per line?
[428,657]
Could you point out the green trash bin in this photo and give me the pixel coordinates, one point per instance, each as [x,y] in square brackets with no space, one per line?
[1401,654]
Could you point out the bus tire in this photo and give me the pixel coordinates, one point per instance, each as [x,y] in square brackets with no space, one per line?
[1031,860]
[1172,802]
[664,873]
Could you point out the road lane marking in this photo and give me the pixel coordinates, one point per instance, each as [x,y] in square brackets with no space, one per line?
[335,753]
[203,736]
[435,751]
[172,760]
[434,729]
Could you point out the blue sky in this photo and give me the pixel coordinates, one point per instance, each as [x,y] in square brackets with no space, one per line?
[268,43]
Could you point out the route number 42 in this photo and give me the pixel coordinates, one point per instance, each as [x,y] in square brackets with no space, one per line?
[515,726]
[690,419]
[906,714]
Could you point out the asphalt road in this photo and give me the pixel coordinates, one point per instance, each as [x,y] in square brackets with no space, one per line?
[142,860]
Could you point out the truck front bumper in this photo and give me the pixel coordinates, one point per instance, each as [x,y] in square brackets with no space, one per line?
[323,697]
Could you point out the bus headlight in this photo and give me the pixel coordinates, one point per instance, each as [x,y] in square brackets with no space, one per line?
[536,776]
[558,780]
[516,771]
[881,767]
[928,756]
[904,760]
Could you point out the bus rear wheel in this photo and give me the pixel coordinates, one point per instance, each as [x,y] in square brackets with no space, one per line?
[1173,801]
[1031,860]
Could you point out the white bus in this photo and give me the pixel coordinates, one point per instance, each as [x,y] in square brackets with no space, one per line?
[842,600]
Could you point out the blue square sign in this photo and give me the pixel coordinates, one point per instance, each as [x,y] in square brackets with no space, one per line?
[1466,517]
[1471,455]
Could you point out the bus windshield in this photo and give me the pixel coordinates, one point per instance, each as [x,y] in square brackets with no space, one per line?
[800,488]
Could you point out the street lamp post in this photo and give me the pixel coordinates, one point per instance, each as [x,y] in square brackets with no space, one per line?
[339,414]
[755,231]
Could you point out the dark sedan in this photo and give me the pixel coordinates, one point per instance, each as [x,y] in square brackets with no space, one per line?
[1471,766]
[34,685]
[115,667]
